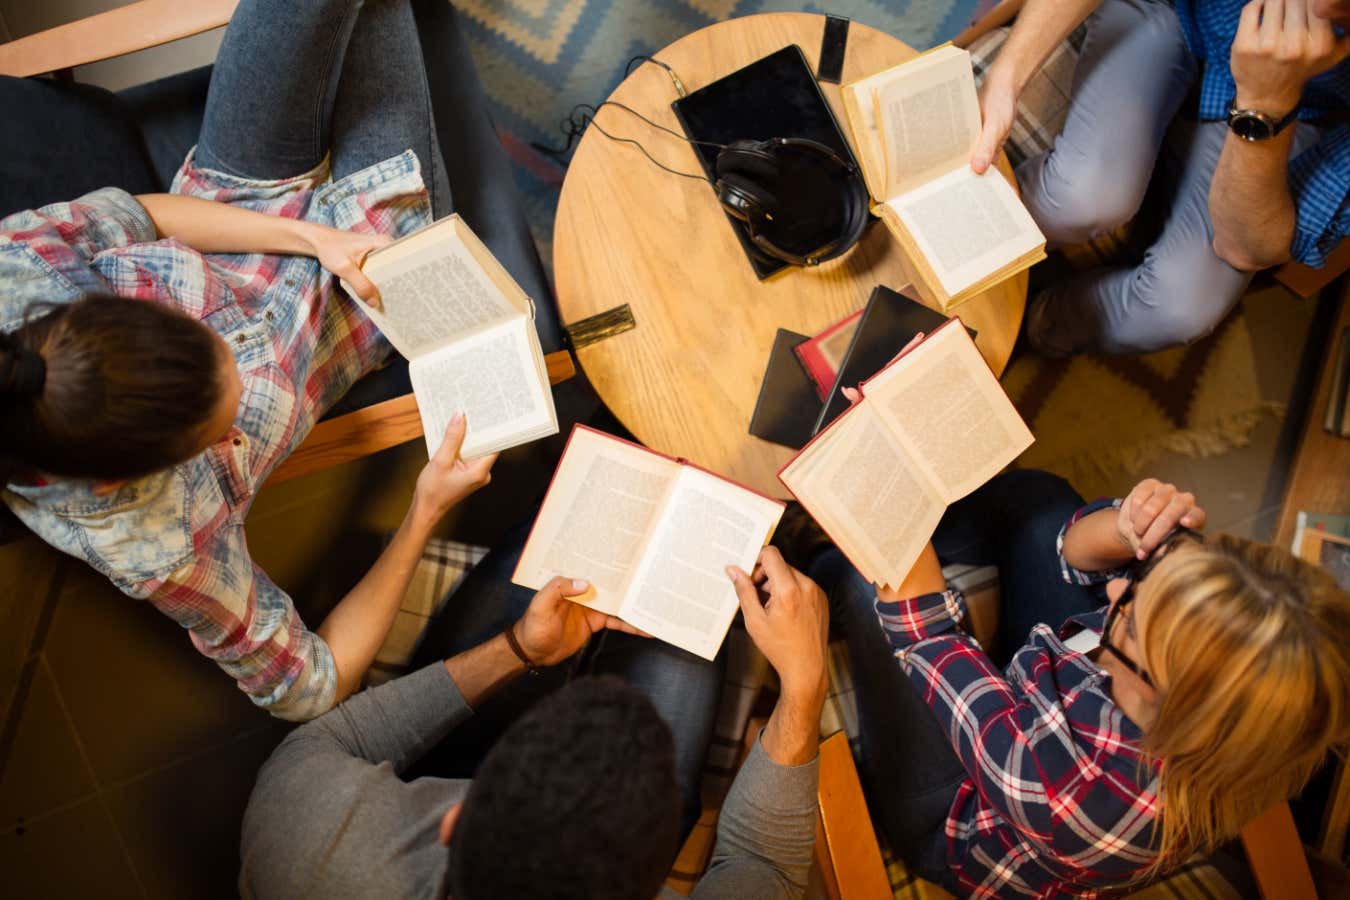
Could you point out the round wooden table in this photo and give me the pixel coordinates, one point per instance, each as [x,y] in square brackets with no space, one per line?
[684,381]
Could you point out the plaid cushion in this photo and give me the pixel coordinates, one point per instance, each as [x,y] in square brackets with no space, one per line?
[443,566]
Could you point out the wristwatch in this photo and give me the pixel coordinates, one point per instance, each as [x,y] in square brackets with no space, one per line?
[1251,125]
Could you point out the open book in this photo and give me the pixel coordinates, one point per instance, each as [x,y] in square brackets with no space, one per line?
[467,330]
[914,126]
[932,426]
[653,536]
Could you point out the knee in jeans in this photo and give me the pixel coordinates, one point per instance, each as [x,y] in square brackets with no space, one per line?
[1046,500]
[1180,308]
[1093,204]
[1041,484]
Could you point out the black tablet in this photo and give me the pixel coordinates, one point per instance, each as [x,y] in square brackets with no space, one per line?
[774,97]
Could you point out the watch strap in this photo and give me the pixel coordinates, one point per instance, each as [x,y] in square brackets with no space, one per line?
[1282,124]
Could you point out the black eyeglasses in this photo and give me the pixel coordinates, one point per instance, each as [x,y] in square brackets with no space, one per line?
[1136,573]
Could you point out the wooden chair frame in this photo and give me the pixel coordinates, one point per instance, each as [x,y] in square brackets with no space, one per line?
[150,23]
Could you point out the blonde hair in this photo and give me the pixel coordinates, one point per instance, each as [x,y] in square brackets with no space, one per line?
[1250,648]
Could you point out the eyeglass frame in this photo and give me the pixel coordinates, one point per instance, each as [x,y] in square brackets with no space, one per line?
[1134,575]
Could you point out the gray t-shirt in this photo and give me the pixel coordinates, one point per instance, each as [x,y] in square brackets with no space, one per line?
[330,817]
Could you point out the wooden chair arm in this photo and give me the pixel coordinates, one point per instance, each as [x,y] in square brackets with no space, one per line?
[1276,856]
[375,428]
[846,851]
[1306,281]
[136,26]
[997,17]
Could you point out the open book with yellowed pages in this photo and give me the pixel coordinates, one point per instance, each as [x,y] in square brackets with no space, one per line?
[932,426]
[653,535]
[914,127]
[467,330]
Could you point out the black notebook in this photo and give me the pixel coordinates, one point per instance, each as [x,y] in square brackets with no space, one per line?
[788,402]
[887,324]
[773,97]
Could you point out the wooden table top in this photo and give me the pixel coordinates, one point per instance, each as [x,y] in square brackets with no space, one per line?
[685,380]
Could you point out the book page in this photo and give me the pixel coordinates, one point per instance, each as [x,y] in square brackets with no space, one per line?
[928,118]
[491,376]
[680,592]
[967,225]
[604,502]
[433,289]
[885,505]
[949,411]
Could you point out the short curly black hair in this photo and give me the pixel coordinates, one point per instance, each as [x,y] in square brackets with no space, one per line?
[577,799]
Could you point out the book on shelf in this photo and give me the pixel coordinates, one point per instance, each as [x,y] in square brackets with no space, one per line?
[467,331]
[1306,522]
[1329,550]
[652,534]
[915,126]
[931,427]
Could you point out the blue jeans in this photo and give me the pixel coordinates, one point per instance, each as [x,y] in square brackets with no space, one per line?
[363,82]
[1133,75]
[910,772]
[683,687]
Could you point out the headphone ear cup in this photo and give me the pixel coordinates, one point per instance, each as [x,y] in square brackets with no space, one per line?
[743,198]
[747,158]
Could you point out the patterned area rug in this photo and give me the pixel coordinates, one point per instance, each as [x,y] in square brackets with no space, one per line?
[1097,416]
[539,58]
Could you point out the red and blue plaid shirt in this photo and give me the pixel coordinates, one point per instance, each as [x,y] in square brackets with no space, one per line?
[1058,799]
[176,538]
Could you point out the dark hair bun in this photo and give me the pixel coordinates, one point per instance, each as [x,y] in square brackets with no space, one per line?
[22,371]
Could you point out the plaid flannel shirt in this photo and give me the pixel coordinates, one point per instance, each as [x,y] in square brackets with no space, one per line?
[176,538]
[1319,177]
[1058,799]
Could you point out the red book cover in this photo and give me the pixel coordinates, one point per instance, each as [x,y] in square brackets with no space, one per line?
[822,355]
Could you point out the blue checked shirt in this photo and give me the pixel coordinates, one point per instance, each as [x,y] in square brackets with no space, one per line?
[1319,178]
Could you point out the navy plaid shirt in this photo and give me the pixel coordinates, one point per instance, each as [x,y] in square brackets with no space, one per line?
[1058,799]
[1319,178]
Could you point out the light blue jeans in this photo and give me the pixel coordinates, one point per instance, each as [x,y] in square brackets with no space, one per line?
[1133,75]
[363,81]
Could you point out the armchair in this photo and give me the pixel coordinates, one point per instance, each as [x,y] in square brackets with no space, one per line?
[64,139]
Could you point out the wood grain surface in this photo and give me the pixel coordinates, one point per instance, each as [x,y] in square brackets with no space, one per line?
[684,381]
[376,427]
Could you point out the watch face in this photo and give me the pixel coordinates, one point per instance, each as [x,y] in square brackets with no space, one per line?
[1250,127]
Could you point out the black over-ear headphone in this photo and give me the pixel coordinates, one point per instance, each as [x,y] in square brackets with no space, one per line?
[755,180]
[750,182]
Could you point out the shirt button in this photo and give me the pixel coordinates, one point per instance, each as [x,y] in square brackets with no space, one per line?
[241,339]
[268,315]
[290,282]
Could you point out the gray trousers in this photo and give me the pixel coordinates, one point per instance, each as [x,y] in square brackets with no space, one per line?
[1133,75]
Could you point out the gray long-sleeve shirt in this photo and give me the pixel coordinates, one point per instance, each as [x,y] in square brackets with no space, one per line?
[330,817]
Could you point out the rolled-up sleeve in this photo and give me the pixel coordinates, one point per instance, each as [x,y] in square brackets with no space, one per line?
[240,619]
[1319,184]
[48,255]
[1078,576]
[76,231]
